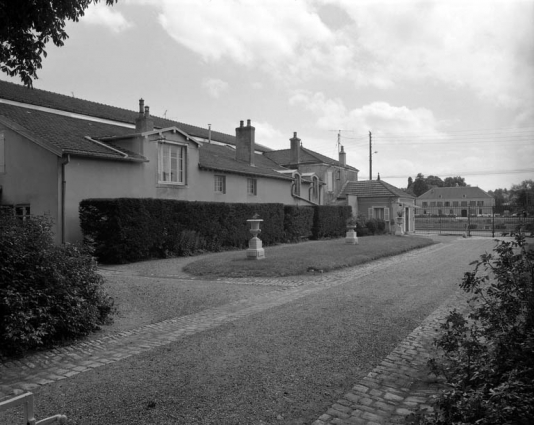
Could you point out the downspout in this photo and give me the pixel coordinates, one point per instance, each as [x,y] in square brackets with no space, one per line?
[64,162]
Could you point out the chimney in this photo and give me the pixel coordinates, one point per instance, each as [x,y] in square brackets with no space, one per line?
[244,143]
[143,122]
[294,156]
[342,157]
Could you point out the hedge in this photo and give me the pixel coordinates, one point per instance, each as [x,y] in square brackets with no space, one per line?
[298,223]
[132,229]
[329,221]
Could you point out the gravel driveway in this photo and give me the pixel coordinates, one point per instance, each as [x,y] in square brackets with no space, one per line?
[284,365]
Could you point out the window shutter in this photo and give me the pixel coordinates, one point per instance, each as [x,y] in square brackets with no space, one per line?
[386,214]
[370,213]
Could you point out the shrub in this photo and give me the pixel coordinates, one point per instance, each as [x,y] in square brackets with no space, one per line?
[472,226]
[488,359]
[47,293]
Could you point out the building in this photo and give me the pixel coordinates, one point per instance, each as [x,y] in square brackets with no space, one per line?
[57,150]
[381,200]
[461,201]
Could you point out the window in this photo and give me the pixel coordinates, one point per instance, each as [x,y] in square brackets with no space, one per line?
[455,203]
[472,203]
[252,187]
[451,211]
[425,204]
[447,204]
[20,211]
[329,181]
[464,203]
[480,203]
[379,213]
[433,204]
[171,168]
[220,184]
[440,204]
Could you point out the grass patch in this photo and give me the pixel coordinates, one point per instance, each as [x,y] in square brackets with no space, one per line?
[298,259]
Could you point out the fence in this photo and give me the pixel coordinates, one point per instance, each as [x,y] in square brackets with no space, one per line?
[470,221]
[26,400]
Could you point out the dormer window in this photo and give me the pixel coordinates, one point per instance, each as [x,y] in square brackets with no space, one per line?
[171,163]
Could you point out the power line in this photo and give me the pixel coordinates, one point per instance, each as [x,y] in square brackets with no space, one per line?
[477,173]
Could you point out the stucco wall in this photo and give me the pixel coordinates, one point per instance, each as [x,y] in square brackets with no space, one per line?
[31,176]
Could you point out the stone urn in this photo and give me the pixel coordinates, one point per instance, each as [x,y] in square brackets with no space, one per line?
[351,237]
[255,250]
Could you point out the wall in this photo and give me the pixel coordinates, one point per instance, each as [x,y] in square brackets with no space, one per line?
[31,176]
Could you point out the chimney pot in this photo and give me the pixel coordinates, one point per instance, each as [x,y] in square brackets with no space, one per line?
[241,123]
[147,111]
[141,105]
[248,123]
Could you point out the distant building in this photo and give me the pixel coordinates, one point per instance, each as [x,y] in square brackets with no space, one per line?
[460,201]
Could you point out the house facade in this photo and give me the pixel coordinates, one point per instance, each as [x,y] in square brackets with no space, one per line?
[381,200]
[56,151]
[459,201]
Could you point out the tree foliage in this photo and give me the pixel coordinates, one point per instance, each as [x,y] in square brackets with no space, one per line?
[522,195]
[454,181]
[420,185]
[488,355]
[26,26]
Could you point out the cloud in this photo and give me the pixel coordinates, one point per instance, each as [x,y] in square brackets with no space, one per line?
[101,14]
[215,87]
[379,117]
[482,46]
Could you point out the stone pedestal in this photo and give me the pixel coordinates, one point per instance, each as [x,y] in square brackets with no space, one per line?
[255,250]
[351,237]
[398,229]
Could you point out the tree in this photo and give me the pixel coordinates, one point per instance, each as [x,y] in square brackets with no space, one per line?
[410,181]
[522,195]
[26,26]
[420,185]
[454,181]
[434,181]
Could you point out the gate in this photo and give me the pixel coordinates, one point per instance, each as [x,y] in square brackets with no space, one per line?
[26,400]
[471,221]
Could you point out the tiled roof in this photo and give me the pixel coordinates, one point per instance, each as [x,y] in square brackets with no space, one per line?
[307,156]
[373,189]
[222,158]
[454,192]
[67,135]
[18,93]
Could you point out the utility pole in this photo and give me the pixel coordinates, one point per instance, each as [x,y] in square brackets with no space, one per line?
[339,138]
[370,156]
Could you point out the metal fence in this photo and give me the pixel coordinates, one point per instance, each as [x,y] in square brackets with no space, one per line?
[470,221]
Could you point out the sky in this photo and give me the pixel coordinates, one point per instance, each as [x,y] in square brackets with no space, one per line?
[442,88]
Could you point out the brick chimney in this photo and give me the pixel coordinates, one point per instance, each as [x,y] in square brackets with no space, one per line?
[294,155]
[342,157]
[143,121]
[245,143]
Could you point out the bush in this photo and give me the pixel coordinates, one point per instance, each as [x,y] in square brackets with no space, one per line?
[472,226]
[47,293]
[376,226]
[488,359]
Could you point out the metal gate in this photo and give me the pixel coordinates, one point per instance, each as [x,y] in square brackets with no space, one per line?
[471,221]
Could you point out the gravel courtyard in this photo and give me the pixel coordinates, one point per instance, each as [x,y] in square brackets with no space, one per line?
[284,363]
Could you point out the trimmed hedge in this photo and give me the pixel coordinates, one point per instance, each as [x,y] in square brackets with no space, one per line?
[124,230]
[298,222]
[329,221]
[131,229]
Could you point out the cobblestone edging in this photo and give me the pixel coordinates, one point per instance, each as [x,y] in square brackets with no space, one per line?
[400,384]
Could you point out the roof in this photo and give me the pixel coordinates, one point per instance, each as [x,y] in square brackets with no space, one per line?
[222,158]
[307,156]
[373,189]
[66,135]
[42,98]
[454,192]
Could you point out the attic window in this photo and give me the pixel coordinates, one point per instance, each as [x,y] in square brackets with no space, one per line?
[171,163]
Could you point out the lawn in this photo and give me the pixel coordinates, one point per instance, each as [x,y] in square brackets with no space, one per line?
[306,257]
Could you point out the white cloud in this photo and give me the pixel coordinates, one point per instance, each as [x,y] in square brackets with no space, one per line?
[215,87]
[101,14]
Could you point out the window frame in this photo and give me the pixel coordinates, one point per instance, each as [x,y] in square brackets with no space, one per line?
[181,163]
[219,188]
[252,186]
